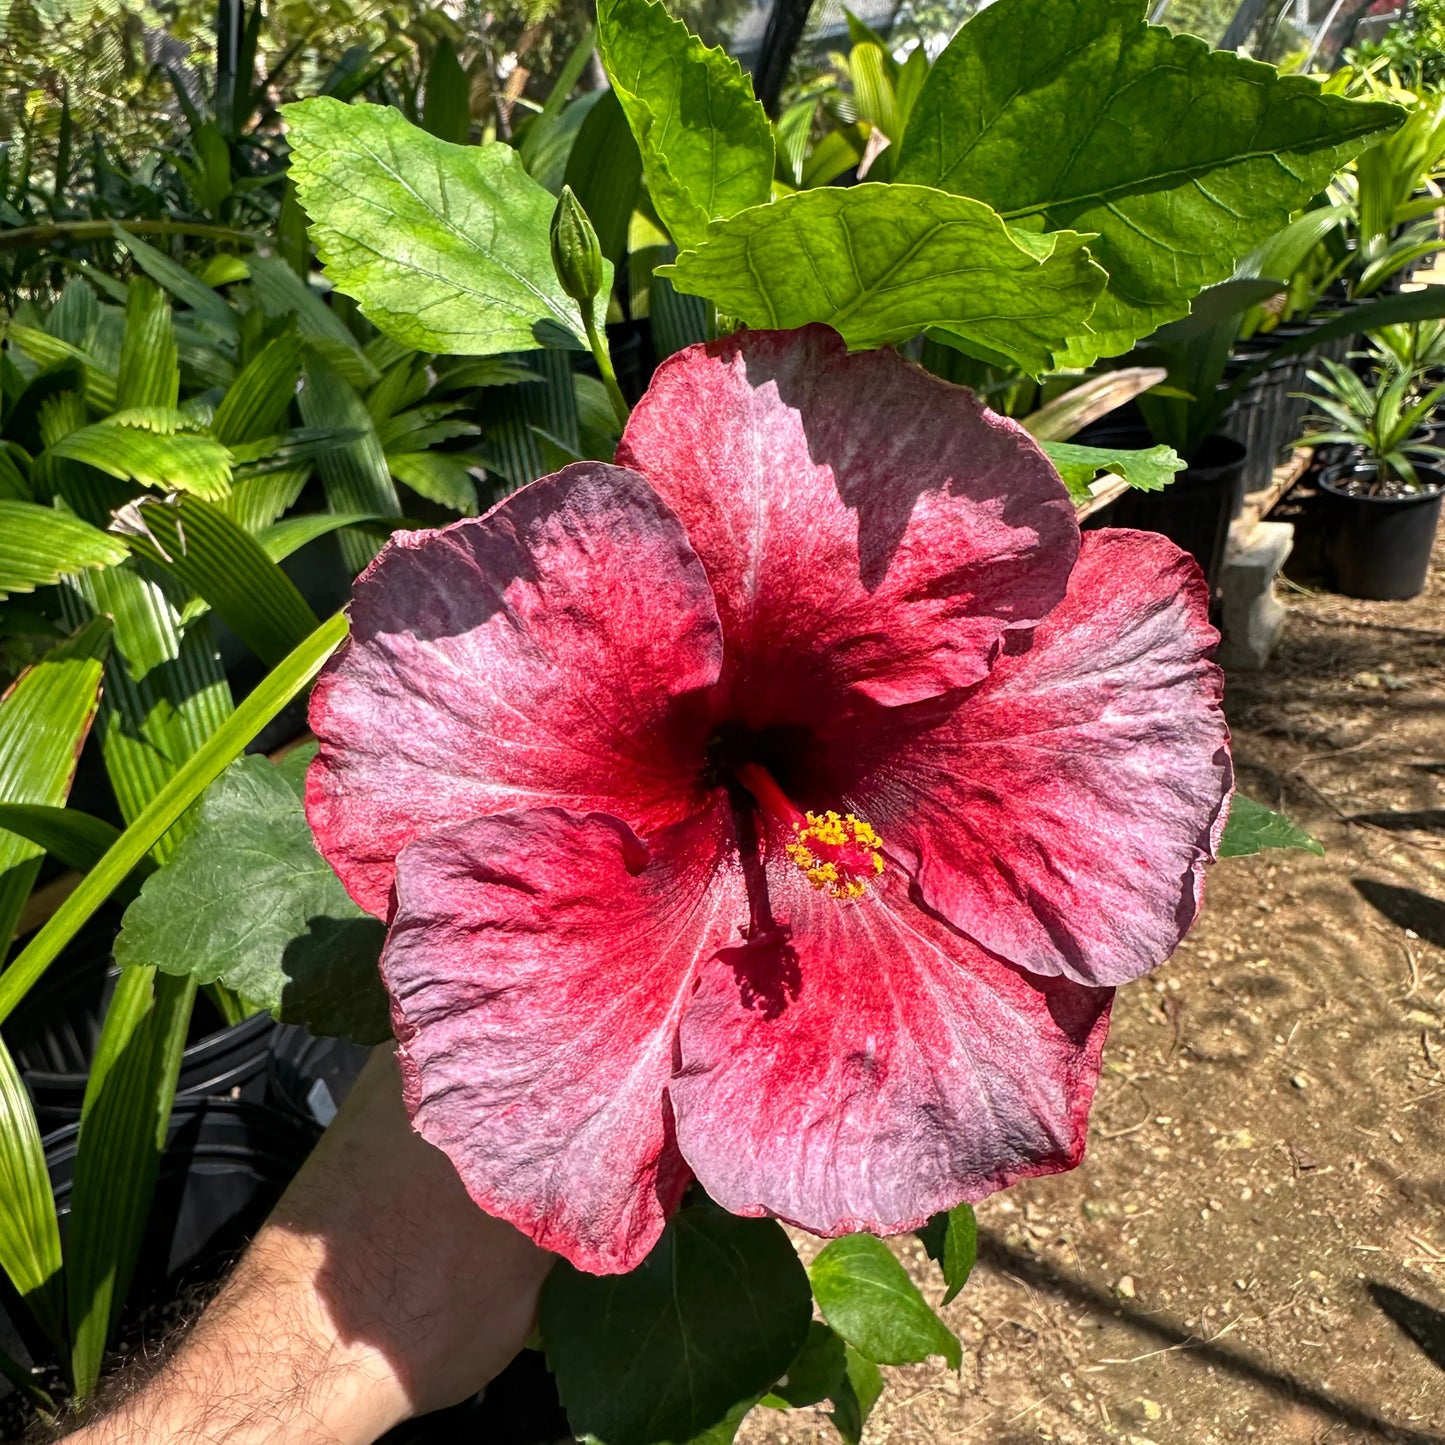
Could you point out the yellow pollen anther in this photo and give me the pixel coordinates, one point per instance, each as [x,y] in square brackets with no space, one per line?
[836,853]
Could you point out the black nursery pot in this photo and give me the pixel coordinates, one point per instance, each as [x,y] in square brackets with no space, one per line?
[1194,511]
[53,1034]
[226,1163]
[1378,548]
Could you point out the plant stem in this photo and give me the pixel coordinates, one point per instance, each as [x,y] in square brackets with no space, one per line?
[597,340]
[202,768]
[12,240]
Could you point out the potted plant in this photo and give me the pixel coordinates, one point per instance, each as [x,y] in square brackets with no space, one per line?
[1381,499]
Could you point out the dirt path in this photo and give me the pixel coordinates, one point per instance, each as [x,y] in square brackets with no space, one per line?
[1254,1248]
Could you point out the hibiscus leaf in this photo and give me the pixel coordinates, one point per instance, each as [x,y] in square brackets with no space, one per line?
[708,1321]
[1180,158]
[880,264]
[247,900]
[862,1385]
[1150,470]
[1252,826]
[951,1239]
[707,146]
[445,246]
[818,1373]
[867,1297]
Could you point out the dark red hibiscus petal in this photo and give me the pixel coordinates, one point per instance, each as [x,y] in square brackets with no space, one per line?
[1063,814]
[551,652]
[538,964]
[868,529]
[873,1066]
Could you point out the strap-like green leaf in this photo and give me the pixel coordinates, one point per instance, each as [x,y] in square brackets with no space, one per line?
[44,719]
[182,462]
[79,840]
[882,263]
[123,1124]
[209,306]
[438,477]
[39,544]
[446,247]
[354,474]
[282,292]
[29,1230]
[100,380]
[707,146]
[289,535]
[169,802]
[149,374]
[215,557]
[256,403]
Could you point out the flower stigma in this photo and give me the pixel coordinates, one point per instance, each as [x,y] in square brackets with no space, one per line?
[837,853]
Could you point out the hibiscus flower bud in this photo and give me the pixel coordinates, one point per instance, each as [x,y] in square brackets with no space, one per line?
[575,252]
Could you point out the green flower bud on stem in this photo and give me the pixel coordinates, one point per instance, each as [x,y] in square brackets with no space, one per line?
[575,252]
[577,259]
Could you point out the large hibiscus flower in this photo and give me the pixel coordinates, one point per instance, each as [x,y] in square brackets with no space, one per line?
[778,807]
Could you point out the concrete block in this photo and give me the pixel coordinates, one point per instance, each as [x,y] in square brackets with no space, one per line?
[1252,616]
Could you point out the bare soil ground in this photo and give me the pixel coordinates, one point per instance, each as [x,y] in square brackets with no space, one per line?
[1254,1247]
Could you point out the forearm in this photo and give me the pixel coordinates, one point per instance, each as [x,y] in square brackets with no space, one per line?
[376,1291]
[266,1363]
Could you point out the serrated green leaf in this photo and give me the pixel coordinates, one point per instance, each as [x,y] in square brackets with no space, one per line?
[39,544]
[247,900]
[881,263]
[1252,827]
[29,1229]
[1147,470]
[445,247]
[710,1319]
[951,1239]
[44,719]
[1181,158]
[706,144]
[868,1298]
[182,462]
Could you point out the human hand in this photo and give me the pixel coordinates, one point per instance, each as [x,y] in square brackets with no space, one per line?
[376,1291]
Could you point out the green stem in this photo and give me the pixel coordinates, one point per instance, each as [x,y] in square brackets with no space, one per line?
[202,768]
[12,240]
[598,342]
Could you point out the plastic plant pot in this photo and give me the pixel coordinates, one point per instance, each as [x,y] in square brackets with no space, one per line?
[1378,547]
